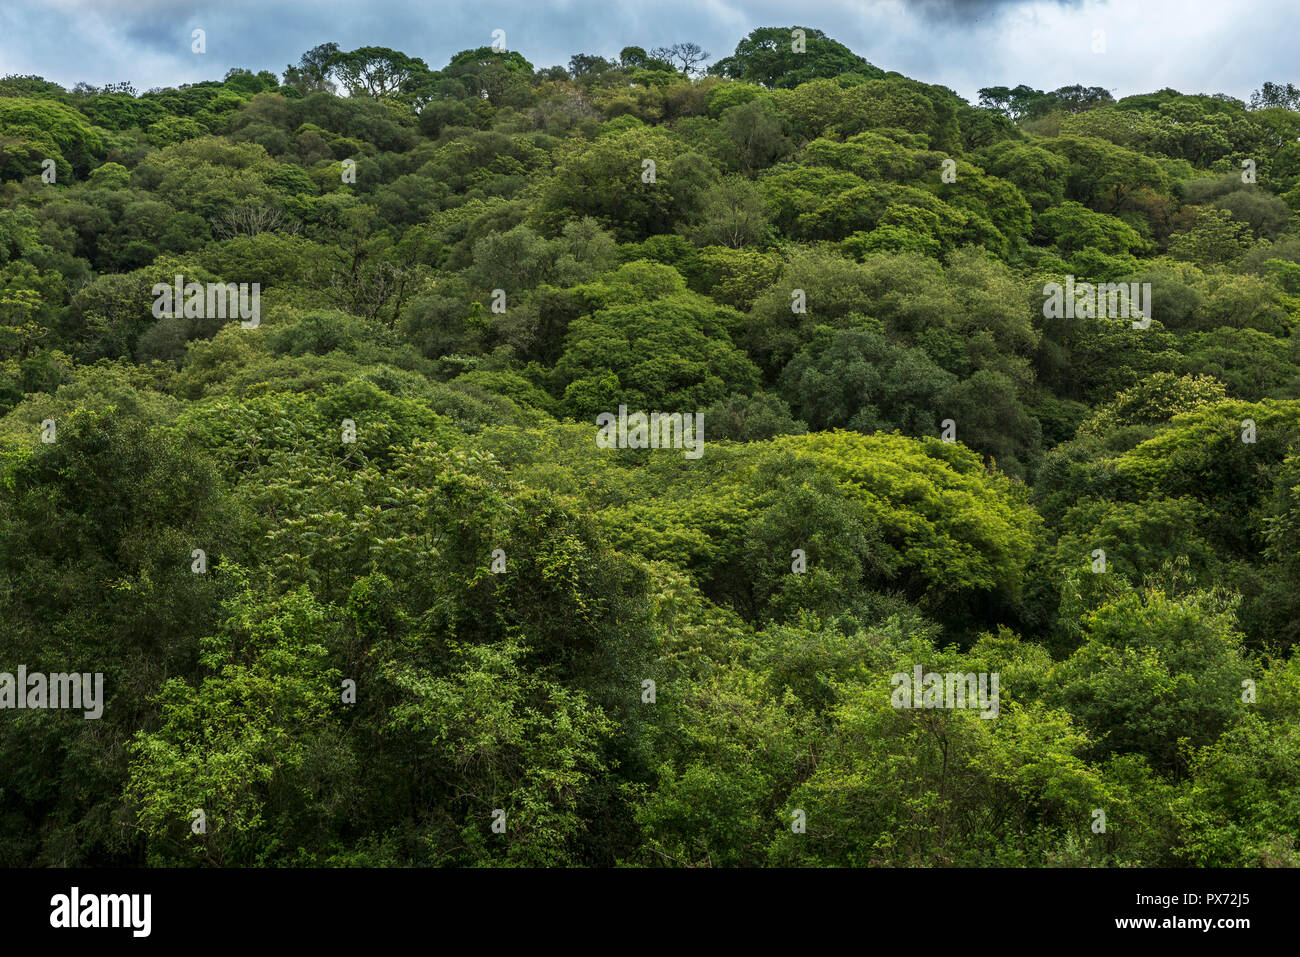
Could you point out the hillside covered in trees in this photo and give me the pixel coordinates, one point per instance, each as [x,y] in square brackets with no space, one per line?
[367,589]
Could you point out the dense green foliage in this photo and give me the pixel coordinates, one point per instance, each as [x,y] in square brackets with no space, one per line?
[459,269]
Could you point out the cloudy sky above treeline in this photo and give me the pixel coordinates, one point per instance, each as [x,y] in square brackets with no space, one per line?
[1195,46]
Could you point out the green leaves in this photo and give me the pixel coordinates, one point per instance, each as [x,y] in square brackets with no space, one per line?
[768,56]
[34,130]
[1155,672]
[608,179]
[671,354]
[366,590]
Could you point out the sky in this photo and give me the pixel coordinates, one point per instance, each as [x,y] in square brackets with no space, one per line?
[1195,46]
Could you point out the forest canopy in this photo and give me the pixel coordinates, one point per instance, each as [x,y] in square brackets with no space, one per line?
[300,377]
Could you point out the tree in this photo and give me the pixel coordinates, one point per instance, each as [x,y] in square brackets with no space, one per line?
[1156,670]
[497,76]
[686,56]
[833,288]
[582,64]
[900,787]
[1039,174]
[667,354]
[312,74]
[1102,175]
[609,181]
[366,271]
[374,71]
[1156,399]
[856,379]
[636,58]
[1073,226]
[1252,365]
[1016,104]
[1079,99]
[756,136]
[1272,95]
[250,221]
[733,215]
[1214,238]
[36,129]
[991,419]
[116,505]
[771,57]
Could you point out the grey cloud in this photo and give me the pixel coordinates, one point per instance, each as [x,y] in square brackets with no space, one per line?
[970,11]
